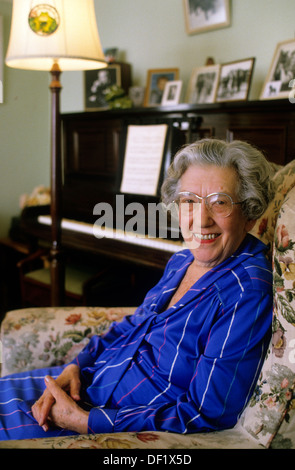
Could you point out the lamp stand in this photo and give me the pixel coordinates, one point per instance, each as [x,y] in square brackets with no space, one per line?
[56,256]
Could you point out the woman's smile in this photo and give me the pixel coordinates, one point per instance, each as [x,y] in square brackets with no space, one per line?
[206,238]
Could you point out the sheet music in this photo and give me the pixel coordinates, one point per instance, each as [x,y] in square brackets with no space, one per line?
[143,159]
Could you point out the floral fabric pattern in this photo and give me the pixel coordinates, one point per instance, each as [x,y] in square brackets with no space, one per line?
[284,181]
[228,439]
[40,337]
[273,402]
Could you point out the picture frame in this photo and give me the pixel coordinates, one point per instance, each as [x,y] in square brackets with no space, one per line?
[97,82]
[235,80]
[156,81]
[278,82]
[203,84]
[172,93]
[206,15]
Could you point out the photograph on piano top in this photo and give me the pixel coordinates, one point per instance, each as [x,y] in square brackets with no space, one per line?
[159,369]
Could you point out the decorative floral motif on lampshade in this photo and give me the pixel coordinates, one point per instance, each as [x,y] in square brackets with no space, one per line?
[44,19]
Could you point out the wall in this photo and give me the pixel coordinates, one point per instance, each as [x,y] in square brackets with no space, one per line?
[24,133]
[149,34]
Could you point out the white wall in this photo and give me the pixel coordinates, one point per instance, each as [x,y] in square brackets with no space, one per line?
[151,34]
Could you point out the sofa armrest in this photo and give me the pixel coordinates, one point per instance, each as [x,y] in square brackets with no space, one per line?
[34,338]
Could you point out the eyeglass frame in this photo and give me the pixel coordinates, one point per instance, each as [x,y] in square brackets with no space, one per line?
[205,198]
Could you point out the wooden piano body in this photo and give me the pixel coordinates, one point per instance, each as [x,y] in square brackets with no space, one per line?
[93,156]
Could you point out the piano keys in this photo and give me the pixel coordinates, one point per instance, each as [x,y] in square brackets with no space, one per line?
[118,244]
[132,238]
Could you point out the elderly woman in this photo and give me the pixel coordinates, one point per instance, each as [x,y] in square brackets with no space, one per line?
[188,359]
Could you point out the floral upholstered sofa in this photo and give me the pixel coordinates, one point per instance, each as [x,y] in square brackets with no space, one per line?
[39,337]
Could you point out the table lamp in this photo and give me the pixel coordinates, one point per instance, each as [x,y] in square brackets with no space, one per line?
[55,36]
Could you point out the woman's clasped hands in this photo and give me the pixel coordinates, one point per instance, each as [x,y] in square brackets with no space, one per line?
[58,403]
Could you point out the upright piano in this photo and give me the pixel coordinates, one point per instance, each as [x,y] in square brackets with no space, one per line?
[93,157]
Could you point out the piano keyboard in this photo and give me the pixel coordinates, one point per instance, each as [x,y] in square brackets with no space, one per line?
[120,235]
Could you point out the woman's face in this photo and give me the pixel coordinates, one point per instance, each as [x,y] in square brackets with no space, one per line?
[212,238]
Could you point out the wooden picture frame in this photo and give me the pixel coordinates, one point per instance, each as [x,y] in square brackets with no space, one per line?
[203,84]
[206,15]
[235,80]
[172,93]
[279,80]
[97,82]
[156,82]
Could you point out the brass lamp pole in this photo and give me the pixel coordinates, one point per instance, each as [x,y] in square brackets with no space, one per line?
[57,266]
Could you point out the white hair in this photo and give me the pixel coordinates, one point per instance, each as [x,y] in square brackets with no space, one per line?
[254,185]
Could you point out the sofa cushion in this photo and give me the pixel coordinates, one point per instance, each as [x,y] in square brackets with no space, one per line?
[227,439]
[273,398]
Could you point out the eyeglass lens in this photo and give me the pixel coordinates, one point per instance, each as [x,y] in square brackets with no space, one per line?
[218,204]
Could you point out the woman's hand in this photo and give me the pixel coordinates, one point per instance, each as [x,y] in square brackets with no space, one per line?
[65,412]
[69,381]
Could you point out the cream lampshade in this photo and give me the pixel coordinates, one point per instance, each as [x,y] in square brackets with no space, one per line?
[55,36]
[62,31]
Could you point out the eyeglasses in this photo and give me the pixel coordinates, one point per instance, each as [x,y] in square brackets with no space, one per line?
[218,204]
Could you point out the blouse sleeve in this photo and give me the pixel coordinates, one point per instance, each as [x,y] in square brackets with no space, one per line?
[224,378]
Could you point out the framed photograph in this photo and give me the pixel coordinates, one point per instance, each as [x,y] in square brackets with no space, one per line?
[205,15]
[172,92]
[203,84]
[282,71]
[156,82]
[234,80]
[96,84]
